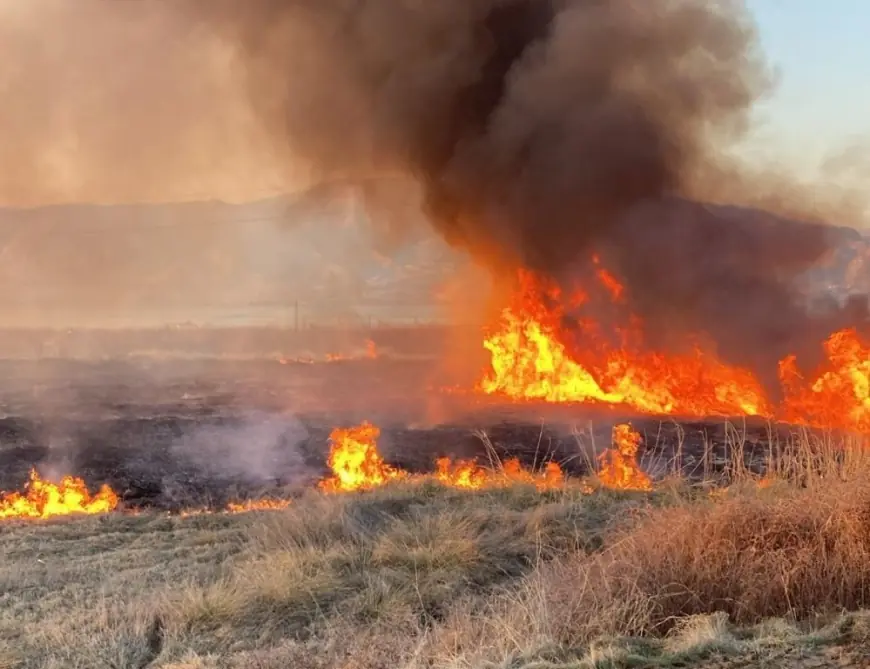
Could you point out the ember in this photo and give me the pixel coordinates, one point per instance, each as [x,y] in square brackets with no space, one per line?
[43,499]
[355,461]
[258,505]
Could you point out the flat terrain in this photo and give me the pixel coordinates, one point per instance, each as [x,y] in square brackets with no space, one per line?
[427,577]
[753,549]
[175,435]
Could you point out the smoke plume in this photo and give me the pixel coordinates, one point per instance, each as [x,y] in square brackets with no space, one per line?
[539,130]
[533,131]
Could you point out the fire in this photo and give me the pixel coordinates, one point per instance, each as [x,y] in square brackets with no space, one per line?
[44,499]
[355,461]
[356,464]
[838,394]
[468,475]
[258,505]
[529,360]
[619,468]
[370,352]
[535,356]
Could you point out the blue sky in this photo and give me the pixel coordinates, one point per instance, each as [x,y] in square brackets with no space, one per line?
[821,49]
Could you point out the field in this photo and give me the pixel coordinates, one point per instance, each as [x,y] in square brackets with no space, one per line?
[752,548]
[423,576]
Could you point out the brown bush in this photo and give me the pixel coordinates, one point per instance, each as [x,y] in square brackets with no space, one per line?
[773,553]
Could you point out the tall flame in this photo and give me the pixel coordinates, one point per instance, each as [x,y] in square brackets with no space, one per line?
[355,461]
[619,468]
[44,499]
[838,394]
[530,360]
[356,464]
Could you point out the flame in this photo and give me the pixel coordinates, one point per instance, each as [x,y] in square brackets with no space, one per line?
[355,461]
[356,464]
[467,474]
[44,499]
[529,360]
[370,352]
[838,394]
[619,468]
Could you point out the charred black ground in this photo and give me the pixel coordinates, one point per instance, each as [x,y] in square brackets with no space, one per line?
[209,440]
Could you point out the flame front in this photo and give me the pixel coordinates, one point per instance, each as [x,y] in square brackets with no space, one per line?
[619,468]
[44,499]
[356,464]
[838,394]
[530,360]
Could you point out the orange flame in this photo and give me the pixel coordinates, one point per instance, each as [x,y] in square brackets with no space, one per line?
[619,468]
[468,475]
[530,360]
[838,395]
[370,352]
[355,461]
[43,499]
[356,464]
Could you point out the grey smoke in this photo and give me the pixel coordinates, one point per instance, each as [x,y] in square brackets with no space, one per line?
[258,448]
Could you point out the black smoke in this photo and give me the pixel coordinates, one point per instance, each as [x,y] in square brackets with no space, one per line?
[540,131]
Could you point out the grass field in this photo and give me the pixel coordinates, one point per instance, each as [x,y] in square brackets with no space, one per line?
[772,574]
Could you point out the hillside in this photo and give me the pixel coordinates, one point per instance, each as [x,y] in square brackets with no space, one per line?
[219,263]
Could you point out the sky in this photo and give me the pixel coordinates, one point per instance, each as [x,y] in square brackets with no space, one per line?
[61,50]
[821,107]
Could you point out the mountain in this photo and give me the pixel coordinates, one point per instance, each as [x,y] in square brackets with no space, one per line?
[81,265]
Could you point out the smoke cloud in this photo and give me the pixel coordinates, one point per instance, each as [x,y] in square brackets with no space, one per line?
[540,131]
[533,132]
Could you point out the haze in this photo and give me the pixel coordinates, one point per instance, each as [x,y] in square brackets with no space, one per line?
[121,103]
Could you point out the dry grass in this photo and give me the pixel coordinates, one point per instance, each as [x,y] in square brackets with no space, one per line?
[421,576]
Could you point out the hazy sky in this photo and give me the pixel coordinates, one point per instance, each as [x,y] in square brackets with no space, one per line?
[821,49]
[87,89]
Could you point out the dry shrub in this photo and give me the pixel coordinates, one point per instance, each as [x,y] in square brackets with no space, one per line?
[789,553]
[754,556]
[757,555]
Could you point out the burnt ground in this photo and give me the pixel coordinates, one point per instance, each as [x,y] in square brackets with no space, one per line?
[181,434]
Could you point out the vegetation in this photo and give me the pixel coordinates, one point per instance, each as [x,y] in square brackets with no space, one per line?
[761,573]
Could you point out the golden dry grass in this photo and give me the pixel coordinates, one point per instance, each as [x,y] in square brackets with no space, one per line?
[421,576]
